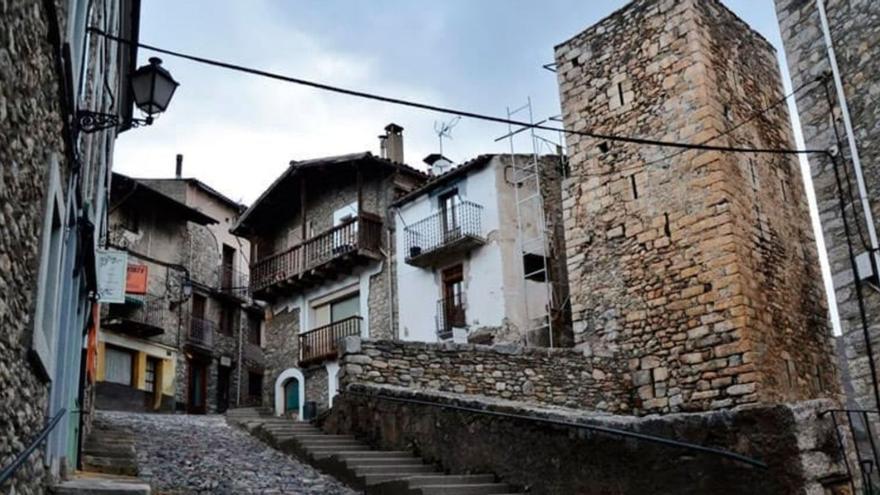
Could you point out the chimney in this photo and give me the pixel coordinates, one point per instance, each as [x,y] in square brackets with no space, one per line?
[178,170]
[393,142]
[383,146]
[437,163]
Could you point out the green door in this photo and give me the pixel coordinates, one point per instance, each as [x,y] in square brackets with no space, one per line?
[291,395]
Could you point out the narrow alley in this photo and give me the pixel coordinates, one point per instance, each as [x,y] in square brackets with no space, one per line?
[203,454]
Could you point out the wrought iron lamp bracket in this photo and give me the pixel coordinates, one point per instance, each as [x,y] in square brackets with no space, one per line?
[89,122]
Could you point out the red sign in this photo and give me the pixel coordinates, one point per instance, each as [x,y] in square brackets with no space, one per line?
[136,279]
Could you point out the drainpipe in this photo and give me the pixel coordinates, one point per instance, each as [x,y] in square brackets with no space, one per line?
[850,137]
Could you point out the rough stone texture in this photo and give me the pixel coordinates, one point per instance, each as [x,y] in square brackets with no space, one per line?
[855,30]
[798,448]
[202,454]
[31,131]
[317,387]
[698,266]
[281,349]
[565,377]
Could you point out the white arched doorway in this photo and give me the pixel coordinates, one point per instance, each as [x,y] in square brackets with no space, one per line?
[280,383]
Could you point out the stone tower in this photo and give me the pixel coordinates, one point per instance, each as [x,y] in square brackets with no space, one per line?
[699,268]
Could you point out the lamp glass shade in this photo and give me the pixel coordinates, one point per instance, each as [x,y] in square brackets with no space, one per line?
[153,87]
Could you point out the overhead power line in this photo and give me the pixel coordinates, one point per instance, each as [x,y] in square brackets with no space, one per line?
[447,110]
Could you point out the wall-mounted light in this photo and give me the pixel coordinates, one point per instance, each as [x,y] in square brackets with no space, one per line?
[152,87]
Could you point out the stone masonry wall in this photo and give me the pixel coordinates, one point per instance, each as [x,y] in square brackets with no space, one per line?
[565,377]
[31,131]
[700,266]
[854,30]
[798,447]
[281,350]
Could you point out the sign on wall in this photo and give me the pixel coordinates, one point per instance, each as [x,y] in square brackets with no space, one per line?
[136,279]
[112,269]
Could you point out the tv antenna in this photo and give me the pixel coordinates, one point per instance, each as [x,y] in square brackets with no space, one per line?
[444,129]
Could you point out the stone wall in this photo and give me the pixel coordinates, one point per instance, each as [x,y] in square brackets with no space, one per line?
[854,31]
[700,264]
[543,458]
[565,377]
[30,119]
[317,387]
[281,350]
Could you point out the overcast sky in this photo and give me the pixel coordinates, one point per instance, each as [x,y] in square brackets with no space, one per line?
[238,132]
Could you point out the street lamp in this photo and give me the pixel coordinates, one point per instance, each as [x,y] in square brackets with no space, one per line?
[152,87]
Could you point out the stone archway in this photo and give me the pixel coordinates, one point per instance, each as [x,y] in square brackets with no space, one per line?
[281,381]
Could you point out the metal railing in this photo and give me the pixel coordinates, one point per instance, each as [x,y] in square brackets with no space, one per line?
[323,342]
[232,282]
[361,233]
[450,314]
[668,442]
[857,422]
[10,470]
[201,332]
[459,221]
[148,311]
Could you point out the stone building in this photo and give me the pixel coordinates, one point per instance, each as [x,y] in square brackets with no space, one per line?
[321,260]
[473,270]
[53,185]
[697,267]
[188,336]
[853,84]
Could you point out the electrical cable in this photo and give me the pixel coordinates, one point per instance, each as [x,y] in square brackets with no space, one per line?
[452,111]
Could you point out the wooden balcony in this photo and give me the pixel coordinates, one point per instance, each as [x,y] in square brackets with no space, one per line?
[201,334]
[320,258]
[322,343]
[139,317]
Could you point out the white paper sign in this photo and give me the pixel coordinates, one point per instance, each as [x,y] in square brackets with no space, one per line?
[112,267]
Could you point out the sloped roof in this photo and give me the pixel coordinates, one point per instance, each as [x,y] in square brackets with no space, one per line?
[298,167]
[445,177]
[132,189]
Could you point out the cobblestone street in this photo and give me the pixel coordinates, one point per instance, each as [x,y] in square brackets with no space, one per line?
[181,454]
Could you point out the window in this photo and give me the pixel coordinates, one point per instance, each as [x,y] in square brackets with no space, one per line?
[332,311]
[118,364]
[452,302]
[130,219]
[346,213]
[227,267]
[198,306]
[255,385]
[448,215]
[150,374]
[254,330]
[227,319]
[45,317]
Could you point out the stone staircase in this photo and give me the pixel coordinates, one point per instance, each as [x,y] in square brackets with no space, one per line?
[357,464]
[109,465]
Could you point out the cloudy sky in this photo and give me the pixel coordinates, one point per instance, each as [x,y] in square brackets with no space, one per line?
[238,132]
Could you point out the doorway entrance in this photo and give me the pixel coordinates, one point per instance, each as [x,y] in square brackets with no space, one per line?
[198,377]
[291,397]
[223,375]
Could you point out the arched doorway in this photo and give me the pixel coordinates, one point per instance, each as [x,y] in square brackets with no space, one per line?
[290,381]
[291,396]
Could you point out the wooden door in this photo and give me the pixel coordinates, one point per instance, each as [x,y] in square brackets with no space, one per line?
[197,403]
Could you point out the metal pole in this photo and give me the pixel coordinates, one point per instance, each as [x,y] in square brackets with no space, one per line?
[850,135]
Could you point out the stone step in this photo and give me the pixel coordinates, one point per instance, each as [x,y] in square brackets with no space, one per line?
[110,465]
[306,438]
[328,443]
[385,461]
[90,486]
[109,450]
[418,468]
[451,479]
[374,454]
[465,489]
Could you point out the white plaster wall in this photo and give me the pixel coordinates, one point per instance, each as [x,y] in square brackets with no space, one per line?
[419,289]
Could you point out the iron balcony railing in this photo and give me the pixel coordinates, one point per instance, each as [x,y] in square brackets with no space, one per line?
[450,314]
[459,221]
[859,426]
[201,332]
[148,310]
[232,282]
[361,233]
[322,343]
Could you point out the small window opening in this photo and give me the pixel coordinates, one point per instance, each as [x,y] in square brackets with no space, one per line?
[632,182]
[603,147]
[789,371]
[726,112]
[752,170]
[666,225]
[784,192]
[620,93]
